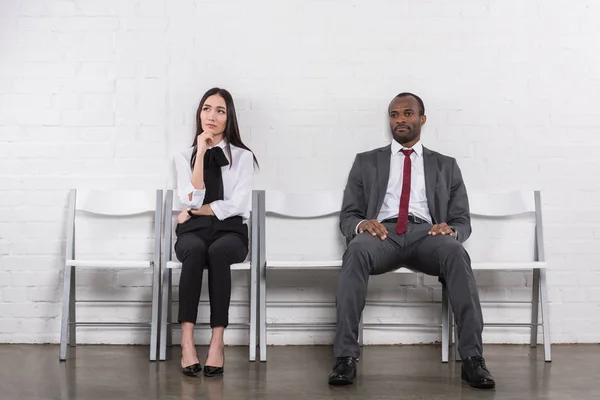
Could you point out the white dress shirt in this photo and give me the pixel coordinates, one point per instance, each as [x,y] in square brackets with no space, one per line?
[417,204]
[237,183]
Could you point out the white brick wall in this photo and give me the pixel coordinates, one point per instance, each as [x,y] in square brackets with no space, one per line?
[102,93]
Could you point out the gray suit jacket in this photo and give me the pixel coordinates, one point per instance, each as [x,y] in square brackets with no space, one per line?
[367,184]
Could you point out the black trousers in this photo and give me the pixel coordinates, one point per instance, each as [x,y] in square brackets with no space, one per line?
[207,242]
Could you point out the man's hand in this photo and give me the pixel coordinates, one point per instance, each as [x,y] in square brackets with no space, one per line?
[374,227]
[441,229]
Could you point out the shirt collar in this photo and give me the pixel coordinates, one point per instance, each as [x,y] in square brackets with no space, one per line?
[418,148]
[221,144]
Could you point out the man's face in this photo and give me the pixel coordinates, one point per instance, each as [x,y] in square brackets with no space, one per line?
[405,121]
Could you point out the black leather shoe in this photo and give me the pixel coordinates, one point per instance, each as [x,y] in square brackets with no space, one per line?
[214,371]
[344,371]
[476,373]
[192,370]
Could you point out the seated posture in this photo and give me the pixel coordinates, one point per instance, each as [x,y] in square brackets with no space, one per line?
[214,179]
[407,205]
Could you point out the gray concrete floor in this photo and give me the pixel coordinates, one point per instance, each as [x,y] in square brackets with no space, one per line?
[29,372]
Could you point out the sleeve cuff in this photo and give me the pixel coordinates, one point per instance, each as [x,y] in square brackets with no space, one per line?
[357,225]
[455,232]
[197,196]
[217,210]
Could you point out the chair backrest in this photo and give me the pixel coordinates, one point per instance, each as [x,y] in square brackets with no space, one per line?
[119,202]
[300,221]
[304,204]
[501,223]
[115,204]
[488,204]
[506,226]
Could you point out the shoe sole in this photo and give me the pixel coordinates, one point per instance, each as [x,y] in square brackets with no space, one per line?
[341,382]
[193,375]
[212,374]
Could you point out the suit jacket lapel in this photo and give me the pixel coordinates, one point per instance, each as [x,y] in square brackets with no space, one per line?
[383,175]
[430,166]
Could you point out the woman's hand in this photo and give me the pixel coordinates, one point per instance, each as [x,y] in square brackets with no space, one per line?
[204,210]
[183,217]
[204,140]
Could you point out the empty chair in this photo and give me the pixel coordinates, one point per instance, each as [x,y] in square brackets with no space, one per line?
[504,226]
[114,204]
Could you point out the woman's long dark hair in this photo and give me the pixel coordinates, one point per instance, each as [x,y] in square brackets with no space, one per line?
[232,131]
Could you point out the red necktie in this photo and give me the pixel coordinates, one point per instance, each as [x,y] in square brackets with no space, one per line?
[405,195]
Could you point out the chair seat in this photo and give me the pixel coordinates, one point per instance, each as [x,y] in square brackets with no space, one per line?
[508,266]
[294,264]
[315,265]
[243,266]
[109,264]
[337,264]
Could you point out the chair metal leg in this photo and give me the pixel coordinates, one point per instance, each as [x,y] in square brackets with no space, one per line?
[156,268]
[155,307]
[170,309]
[361,333]
[453,333]
[67,331]
[164,320]
[445,325]
[262,272]
[456,341]
[66,308]
[535,304]
[254,268]
[545,316]
[253,311]
[72,310]
[262,315]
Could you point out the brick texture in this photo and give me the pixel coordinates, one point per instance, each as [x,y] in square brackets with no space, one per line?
[102,93]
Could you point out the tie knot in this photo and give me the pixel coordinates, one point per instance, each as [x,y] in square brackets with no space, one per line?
[407,152]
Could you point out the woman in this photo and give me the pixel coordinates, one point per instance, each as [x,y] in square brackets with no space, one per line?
[214,179]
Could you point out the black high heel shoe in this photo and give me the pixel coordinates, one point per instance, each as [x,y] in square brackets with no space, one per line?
[192,370]
[214,371]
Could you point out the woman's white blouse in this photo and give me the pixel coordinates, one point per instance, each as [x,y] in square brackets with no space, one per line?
[237,183]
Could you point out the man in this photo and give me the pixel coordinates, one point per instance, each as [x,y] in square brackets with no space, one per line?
[407,205]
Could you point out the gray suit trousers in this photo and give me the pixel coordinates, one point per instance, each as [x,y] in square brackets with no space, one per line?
[441,256]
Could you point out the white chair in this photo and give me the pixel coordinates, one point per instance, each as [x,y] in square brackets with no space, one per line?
[172,208]
[313,206]
[489,209]
[110,204]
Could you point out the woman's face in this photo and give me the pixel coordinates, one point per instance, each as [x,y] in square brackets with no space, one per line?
[214,115]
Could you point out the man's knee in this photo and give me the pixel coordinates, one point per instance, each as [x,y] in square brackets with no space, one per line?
[357,256]
[359,246]
[452,252]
